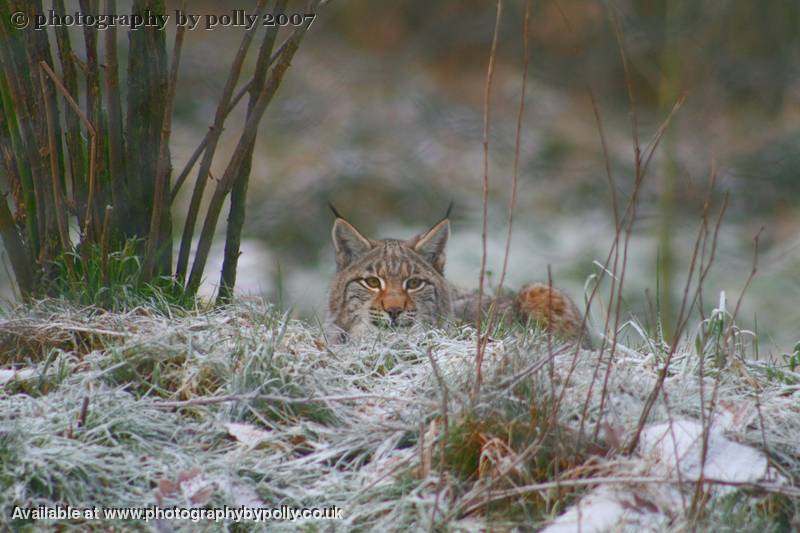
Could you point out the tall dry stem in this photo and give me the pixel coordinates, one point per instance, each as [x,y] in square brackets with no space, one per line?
[481,338]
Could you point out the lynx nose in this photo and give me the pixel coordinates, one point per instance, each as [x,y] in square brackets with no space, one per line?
[394,314]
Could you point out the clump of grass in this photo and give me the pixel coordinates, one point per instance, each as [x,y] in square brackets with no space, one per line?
[515,430]
[88,288]
[35,331]
[748,511]
[114,281]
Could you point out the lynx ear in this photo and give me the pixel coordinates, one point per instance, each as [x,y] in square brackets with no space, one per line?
[430,245]
[348,243]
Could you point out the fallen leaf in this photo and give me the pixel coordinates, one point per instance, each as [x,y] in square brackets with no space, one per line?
[247,434]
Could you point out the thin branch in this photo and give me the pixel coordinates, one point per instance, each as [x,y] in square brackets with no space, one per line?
[654,142]
[74,141]
[161,189]
[94,110]
[481,342]
[104,243]
[517,141]
[202,146]
[212,400]
[750,277]
[208,155]
[629,86]
[612,187]
[683,317]
[92,140]
[640,173]
[236,213]
[116,142]
[58,193]
[234,166]
[68,97]
[643,480]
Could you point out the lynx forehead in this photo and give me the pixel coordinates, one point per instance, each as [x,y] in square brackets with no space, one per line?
[388,282]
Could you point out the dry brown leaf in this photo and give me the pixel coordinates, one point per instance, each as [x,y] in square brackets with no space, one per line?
[167,488]
[202,496]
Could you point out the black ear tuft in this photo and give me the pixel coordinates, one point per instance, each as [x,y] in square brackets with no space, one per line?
[449,210]
[335,212]
[348,242]
[430,245]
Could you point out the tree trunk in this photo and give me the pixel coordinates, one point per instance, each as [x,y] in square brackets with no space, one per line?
[147,87]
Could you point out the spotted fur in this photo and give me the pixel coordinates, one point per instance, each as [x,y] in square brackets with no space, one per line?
[400,284]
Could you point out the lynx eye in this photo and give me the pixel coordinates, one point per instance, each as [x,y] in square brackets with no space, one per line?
[413,284]
[372,282]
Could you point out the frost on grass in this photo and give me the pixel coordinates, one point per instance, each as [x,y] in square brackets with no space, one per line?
[241,406]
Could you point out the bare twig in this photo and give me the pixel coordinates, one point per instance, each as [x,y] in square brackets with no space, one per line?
[94,111]
[208,154]
[617,279]
[236,213]
[77,157]
[517,141]
[92,139]
[643,480]
[161,195]
[482,339]
[116,142]
[84,412]
[211,400]
[243,90]
[683,317]
[699,493]
[202,146]
[612,187]
[58,193]
[68,97]
[640,173]
[104,241]
[234,166]
[515,173]
[753,271]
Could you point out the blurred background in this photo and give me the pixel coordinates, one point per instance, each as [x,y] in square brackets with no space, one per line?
[381,113]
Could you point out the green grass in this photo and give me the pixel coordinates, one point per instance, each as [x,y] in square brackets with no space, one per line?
[752,512]
[116,283]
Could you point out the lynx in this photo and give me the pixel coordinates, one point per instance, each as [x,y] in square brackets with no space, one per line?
[400,283]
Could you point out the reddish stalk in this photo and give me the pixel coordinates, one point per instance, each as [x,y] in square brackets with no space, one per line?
[481,341]
[92,139]
[58,193]
[515,172]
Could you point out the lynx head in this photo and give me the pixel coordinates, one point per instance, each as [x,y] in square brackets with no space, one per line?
[388,282]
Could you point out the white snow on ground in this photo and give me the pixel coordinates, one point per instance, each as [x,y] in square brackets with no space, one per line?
[671,450]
